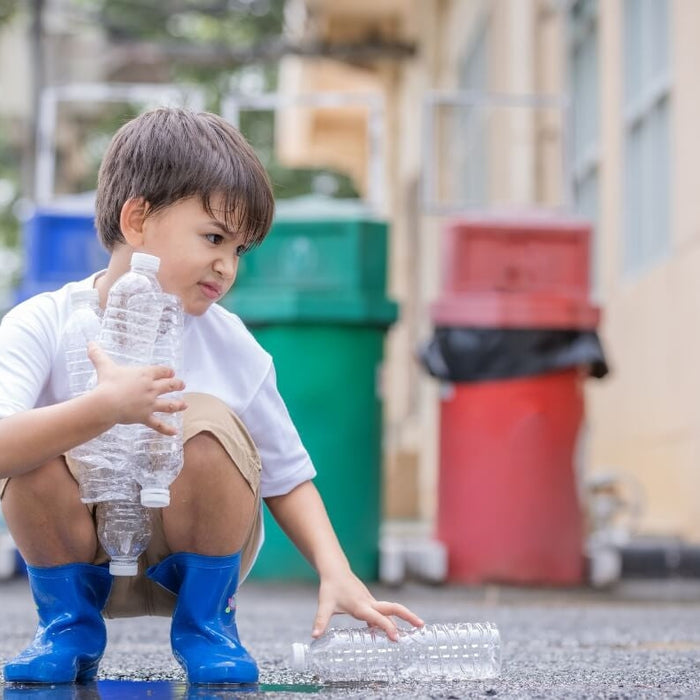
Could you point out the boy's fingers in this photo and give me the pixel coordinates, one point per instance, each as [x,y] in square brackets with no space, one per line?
[376,619]
[171,406]
[388,608]
[95,353]
[168,384]
[323,616]
[160,426]
[162,372]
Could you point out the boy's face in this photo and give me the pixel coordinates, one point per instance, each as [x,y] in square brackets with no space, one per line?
[198,254]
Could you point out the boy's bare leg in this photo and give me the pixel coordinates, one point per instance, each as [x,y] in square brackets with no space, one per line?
[211,504]
[47,520]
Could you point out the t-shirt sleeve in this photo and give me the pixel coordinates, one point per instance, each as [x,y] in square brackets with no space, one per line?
[285,461]
[27,342]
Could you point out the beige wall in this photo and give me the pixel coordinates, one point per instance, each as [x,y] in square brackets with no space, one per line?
[644,420]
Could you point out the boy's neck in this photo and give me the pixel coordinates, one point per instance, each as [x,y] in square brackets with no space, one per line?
[119,262]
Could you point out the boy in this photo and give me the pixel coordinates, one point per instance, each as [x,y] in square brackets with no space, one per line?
[187,188]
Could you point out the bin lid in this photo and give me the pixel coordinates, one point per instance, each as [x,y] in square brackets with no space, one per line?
[533,253]
[529,270]
[321,265]
[290,307]
[313,207]
[76,205]
[508,310]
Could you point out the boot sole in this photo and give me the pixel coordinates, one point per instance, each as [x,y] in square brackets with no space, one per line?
[86,674]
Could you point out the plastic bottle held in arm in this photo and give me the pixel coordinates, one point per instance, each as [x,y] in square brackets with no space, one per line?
[461,651]
[127,335]
[132,314]
[82,326]
[104,473]
[160,457]
[124,530]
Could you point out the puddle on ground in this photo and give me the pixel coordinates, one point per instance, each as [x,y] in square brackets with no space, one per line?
[148,690]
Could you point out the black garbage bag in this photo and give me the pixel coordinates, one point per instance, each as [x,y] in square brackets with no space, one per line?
[477,354]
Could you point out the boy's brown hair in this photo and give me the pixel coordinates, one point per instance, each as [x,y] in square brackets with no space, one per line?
[170,154]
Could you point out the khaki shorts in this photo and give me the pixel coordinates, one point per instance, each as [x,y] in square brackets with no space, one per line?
[132,596]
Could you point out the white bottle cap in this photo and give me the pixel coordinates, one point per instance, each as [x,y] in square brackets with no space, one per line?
[155,498]
[123,568]
[298,656]
[150,262]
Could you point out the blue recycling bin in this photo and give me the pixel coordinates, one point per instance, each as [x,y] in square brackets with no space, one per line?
[60,245]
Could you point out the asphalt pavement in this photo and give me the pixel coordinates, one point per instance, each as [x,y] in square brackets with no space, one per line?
[639,640]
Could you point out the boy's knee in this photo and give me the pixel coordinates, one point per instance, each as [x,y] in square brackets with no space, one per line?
[204,450]
[209,463]
[44,482]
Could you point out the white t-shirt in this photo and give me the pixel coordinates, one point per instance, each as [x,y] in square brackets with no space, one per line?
[221,358]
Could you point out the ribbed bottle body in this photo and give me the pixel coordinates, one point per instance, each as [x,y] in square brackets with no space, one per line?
[132,314]
[160,457]
[461,651]
[127,334]
[82,326]
[105,474]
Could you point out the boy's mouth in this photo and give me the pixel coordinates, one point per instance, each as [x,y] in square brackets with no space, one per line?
[211,291]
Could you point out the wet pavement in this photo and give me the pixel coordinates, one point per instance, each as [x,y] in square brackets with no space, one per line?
[641,640]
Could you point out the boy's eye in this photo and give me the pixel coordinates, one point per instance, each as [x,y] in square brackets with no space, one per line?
[214,238]
[241,250]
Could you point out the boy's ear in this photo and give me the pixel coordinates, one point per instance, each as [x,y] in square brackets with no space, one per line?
[131,220]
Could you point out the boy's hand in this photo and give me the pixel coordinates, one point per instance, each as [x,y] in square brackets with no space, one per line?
[134,393]
[347,594]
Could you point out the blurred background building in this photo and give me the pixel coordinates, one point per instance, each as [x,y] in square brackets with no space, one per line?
[434,109]
[625,70]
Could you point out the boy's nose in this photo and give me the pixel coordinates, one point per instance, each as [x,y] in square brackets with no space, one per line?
[226,267]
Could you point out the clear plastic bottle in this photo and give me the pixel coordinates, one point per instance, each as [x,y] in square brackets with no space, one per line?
[159,457]
[128,332]
[104,473]
[82,326]
[132,313]
[124,530]
[461,651]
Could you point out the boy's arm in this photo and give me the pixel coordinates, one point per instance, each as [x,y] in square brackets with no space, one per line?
[302,515]
[122,395]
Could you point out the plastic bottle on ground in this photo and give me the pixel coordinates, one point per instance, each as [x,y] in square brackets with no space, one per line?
[159,457]
[124,530]
[461,651]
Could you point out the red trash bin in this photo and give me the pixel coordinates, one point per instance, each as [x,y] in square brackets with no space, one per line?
[508,505]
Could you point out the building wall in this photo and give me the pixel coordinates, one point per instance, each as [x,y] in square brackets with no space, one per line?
[645,420]
[521,39]
[524,151]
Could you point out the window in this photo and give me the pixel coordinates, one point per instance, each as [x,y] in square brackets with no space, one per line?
[647,164]
[583,80]
[470,143]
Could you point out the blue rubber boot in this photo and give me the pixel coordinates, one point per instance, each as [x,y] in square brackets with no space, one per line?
[203,633]
[71,636]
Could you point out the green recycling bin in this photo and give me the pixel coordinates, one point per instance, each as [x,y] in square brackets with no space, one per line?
[314,297]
